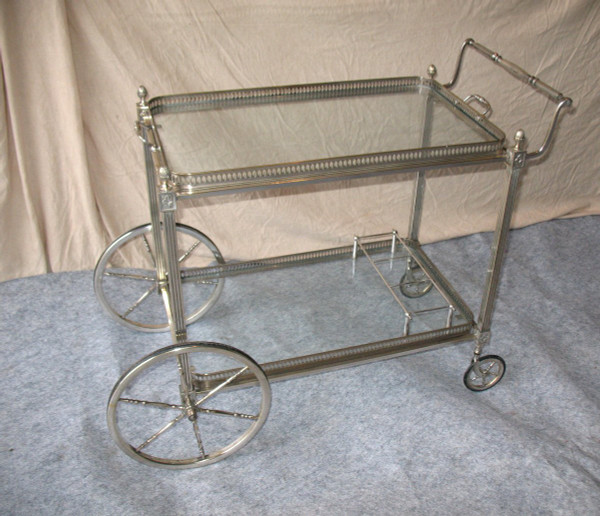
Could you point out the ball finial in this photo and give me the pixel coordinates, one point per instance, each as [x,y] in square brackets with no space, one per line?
[142,93]
[520,140]
[431,71]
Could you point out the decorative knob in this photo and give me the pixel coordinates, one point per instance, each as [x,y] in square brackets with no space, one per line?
[142,93]
[431,71]
[520,140]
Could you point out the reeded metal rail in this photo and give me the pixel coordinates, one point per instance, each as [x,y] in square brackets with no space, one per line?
[277,262]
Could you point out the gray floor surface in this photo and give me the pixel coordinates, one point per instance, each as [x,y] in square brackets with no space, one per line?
[402,436]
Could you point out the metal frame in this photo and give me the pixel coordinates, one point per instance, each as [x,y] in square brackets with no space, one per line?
[166,187]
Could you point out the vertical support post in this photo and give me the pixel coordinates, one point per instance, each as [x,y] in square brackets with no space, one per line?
[144,128]
[393,249]
[354,255]
[163,206]
[154,215]
[174,292]
[417,206]
[515,162]
[419,192]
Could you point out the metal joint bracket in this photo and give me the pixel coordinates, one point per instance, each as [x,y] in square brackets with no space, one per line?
[482,338]
[180,336]
[517,158]
[167,201]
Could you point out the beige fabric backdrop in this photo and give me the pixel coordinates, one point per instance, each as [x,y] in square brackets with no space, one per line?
[71,168]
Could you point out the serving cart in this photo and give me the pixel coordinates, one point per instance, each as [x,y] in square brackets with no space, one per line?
[194,403]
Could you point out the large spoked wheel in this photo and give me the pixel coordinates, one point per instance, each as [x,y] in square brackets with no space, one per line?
[415,282]
[484,373]
[156,419]
[126,283]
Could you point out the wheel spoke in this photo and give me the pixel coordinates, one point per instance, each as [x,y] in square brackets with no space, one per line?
[153,437]
[487,374]
[221,386]
[139,301]
[185,255]
[200,282]
[129,276]
[149,250]
[488,371]
[227,413]
[199,439]
[157,404]
[476,377]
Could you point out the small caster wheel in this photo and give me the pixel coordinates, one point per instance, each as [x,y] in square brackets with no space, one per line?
[484,373]
[415,283]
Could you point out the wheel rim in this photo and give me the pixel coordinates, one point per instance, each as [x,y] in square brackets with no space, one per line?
[489,372]
[126,284]
[148,416]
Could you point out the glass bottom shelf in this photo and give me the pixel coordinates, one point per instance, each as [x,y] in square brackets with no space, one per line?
[382,291]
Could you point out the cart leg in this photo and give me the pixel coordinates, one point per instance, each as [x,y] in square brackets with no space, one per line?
[414,283]
[152,153]
[514,165]
[163,206]
[172,291]
[419,191]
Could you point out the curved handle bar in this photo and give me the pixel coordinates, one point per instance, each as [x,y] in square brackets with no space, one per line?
[518,72]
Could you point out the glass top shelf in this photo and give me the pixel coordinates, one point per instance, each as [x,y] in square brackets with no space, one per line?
[272,136]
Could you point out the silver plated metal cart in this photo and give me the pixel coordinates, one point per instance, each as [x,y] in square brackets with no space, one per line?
[194,403]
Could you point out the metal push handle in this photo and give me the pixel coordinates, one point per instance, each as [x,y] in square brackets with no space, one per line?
[516,71]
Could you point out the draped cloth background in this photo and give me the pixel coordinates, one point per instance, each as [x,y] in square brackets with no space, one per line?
[71,167]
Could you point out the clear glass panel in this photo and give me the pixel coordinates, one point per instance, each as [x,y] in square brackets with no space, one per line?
[297,308]
[293,131]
